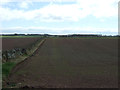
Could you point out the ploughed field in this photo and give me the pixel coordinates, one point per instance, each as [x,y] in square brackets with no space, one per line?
[71,63]
[11,43]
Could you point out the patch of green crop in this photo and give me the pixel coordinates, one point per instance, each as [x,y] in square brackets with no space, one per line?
[81,37]
[19,36]
[6,68]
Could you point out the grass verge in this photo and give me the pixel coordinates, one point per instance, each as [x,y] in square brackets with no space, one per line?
[6,68]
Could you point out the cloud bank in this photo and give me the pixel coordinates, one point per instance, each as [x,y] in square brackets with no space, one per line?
[59,12]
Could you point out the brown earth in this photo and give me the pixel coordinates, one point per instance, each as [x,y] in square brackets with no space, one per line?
[11,43]
[70,63]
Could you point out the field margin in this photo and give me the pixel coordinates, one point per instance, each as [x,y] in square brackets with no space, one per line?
[22,59]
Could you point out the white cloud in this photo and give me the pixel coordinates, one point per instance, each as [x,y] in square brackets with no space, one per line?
[47,13]
[68,30]
[58,12]
[61,12]
[3,2]
[102,20]
[100,8]
[8,14]
[24,5]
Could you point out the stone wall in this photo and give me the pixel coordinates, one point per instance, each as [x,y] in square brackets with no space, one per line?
[16,52]
[12,54]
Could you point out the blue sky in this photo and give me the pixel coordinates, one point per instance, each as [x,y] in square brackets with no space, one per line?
[59,17]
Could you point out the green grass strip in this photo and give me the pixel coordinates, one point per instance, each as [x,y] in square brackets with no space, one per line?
[6,68]
[19,36]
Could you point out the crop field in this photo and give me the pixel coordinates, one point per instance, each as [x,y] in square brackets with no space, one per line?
[9,43]
[69,63]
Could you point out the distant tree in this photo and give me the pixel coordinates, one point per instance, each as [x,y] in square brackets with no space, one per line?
[15,34]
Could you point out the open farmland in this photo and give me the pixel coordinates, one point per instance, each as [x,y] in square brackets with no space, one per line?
[15,50]
[11,43]
[72,63]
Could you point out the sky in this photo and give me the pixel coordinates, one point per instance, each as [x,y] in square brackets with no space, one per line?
[59,17]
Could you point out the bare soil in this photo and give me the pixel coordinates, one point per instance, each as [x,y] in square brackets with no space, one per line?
[70,63]
[11,43]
